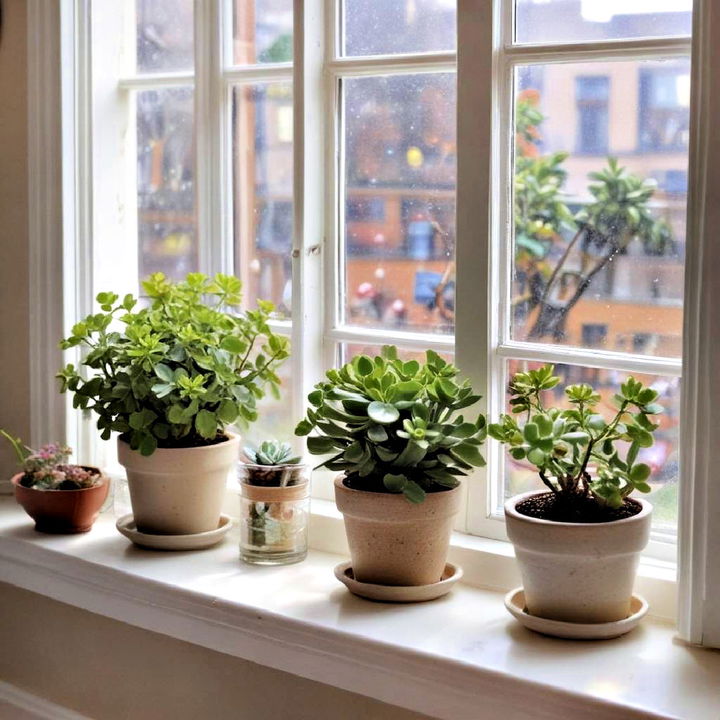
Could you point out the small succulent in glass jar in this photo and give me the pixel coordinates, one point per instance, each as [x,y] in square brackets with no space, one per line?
[272,464]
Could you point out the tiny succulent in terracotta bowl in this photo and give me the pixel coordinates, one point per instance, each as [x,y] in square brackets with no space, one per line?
[59,496]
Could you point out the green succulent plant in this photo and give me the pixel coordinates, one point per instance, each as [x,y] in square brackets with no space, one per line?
[181,369]
[391,426]
[272,452]
[574,449]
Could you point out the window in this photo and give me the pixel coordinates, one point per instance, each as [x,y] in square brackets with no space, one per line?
[198,165]
[592,108]
[664,104]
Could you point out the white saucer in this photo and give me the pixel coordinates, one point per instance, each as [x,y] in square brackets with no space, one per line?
[399,593]
[197,541]
[515,603]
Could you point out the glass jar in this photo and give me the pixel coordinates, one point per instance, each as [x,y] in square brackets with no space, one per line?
[274,505]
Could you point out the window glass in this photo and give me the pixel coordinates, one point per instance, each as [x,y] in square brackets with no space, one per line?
[600,205]
[262,193]
[400,168]
[662,457]
[262,31]
[164,35]
[166,182]
[547,21]
[398,26]
[347,351]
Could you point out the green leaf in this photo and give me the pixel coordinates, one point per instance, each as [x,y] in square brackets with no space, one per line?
[469,453]
[206,424]
[395,483]
[383,413]
[531,432]
[640,472]
[228,411]
[364,365]
[413,492]
[320,445]
[233,344]
[164,373]
[576,438]
[377,433]
[537,457]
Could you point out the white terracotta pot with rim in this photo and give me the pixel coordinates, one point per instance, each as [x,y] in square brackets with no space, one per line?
[578,572]
[179,491]
[393,541]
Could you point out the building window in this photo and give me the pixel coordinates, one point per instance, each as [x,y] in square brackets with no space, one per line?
[592,95]
[664,104]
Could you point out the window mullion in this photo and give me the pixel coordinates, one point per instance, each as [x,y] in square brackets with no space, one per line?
[213,224]
[309,243]
[476,100]
[699,531]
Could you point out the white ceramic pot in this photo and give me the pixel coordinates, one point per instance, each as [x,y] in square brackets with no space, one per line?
[393,541]
[179,491]
[578,572]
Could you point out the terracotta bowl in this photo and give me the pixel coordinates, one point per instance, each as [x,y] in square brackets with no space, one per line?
[62,511]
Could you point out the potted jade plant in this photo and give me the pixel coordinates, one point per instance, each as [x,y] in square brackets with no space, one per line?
[274,500]
[170,378]
[58,496]
[392,429]
[578,542]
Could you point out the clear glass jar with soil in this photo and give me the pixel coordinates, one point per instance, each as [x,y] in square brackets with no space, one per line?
[274,505]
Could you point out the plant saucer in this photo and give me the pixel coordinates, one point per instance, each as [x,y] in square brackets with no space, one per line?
[515,603]
[399,593]
[196,541]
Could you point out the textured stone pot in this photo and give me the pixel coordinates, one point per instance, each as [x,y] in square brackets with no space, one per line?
[179,491]
[62,511]
[395,542]
[575,572]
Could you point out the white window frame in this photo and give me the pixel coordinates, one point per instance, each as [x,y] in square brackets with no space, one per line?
[60,134]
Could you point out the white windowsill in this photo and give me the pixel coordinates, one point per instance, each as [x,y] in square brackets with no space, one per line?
[459,657]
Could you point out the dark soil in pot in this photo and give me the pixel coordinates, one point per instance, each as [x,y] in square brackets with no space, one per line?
[376,485]
[549,506]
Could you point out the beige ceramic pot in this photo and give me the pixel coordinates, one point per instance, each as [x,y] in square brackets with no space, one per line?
[179,491]
[575,572]
[393,541]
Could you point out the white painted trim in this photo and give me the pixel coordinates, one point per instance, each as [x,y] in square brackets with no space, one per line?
[34,705]
[212,134]
[309,232]
[604,359]
[435,658]
[152,81]
[373,336]
[275,72]
[50,208]
[474,260]
[637,49]
[699,529]
[392,64]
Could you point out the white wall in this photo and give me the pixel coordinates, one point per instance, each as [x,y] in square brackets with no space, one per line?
[14,308]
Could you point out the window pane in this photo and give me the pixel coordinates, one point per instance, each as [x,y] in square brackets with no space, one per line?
[547,21]
[262,195]
[400,167]
[662,457]
[164,35]
[262,31]
[398,26]
[600,205]
[166,182]
[347,351]
[275,421]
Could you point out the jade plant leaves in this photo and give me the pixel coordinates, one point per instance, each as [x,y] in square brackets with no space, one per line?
[393,426]
[575,450]
[181,369]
